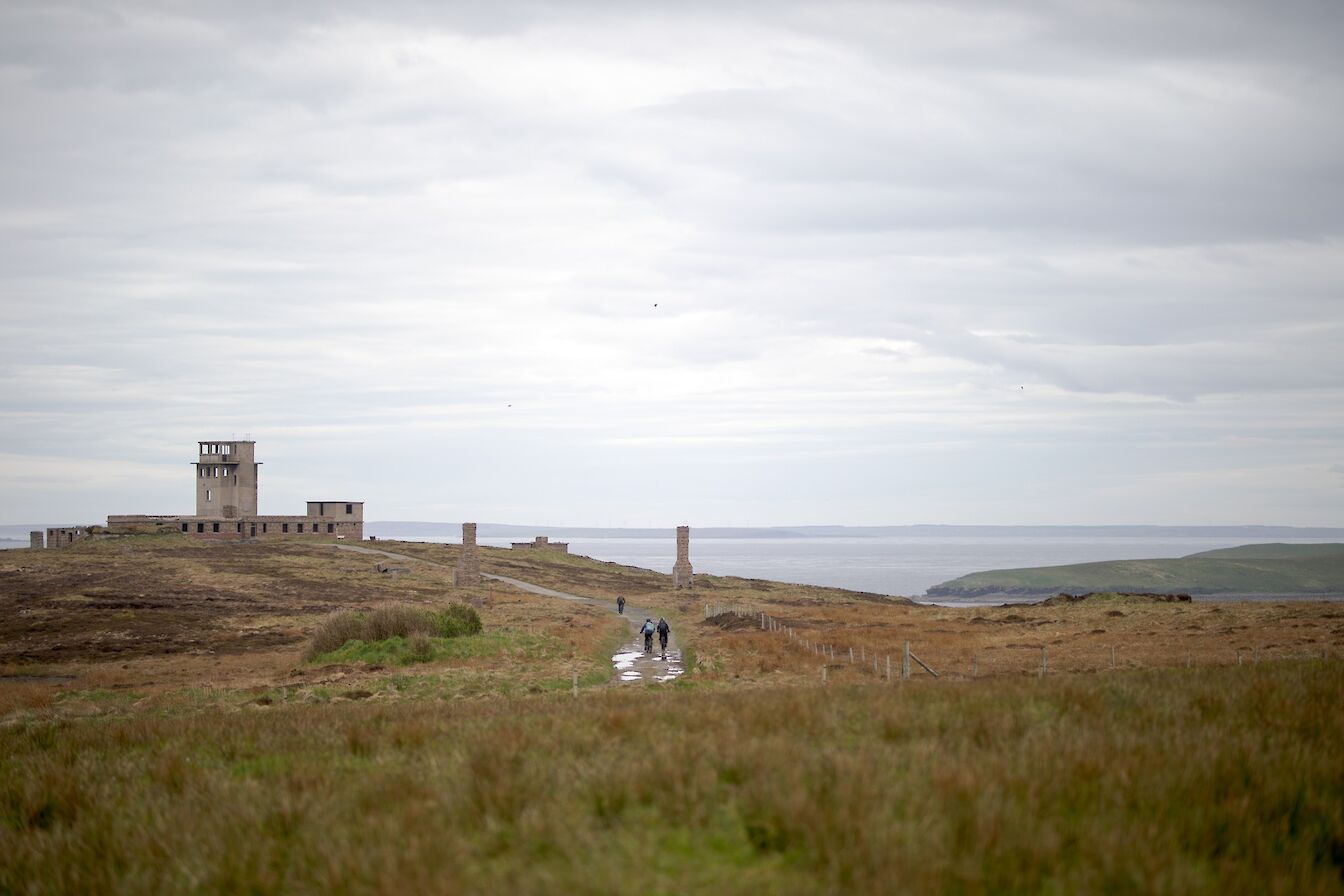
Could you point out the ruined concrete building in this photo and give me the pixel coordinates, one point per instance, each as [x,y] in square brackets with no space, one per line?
[226,506]
[544,542]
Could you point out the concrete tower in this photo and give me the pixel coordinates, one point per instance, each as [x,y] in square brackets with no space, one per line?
[468,570]
[226,480]
[682,576]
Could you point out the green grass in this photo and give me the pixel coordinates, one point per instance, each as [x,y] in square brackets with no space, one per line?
[1253,569]
[397,632]
[396,650]
[1210,781]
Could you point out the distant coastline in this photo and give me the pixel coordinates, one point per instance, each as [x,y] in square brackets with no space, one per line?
[387,528]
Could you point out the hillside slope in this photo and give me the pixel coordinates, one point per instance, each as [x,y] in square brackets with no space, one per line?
[1249,569]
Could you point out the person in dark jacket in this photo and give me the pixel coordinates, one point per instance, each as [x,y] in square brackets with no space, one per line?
[647,630]
[620,604]
[663,631]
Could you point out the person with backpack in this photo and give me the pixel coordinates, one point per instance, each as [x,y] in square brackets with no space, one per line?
[663,631]
[647,630]
[620,604]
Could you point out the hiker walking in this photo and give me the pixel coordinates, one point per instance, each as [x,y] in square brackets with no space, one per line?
[663,631]
[647,630]
[620,604]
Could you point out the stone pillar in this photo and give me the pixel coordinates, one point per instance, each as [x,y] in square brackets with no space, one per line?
[468,570]
[35,540]
[682,576]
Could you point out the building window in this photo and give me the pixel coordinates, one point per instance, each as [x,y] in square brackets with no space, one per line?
[214,527]
[284,527]
[300,527]
[331,527]
[349,509]
[208,493]
[263,528]
[184,527]
[200,527]
[240,528]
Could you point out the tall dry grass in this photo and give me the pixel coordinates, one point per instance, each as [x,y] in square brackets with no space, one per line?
[392,621]
[1219,780]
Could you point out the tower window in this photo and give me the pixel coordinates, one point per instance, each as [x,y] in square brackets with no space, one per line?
[208,494]
[349,509]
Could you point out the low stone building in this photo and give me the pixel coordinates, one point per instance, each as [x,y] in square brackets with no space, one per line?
[544,542]
[64,536]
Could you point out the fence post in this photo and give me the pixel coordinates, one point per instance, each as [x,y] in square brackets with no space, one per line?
[905,663]
[1112,656]
[851,656]
[974,665]
[576,684]
[1045,662]
[862,654]
[888,667]
[823,674]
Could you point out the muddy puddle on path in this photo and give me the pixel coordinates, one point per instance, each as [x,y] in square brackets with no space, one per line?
[633,664]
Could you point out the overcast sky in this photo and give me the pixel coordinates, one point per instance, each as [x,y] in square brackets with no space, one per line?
[717,263]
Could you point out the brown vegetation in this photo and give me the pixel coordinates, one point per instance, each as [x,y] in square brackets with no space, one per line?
[1220,780]
[159,731]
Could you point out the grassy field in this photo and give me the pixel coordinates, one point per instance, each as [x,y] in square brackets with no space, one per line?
[162,731]
[1218,780]
[1253,569]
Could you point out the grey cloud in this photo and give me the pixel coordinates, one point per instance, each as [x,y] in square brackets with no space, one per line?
[866,226]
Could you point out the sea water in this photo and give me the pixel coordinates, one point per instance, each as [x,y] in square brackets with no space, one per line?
[893,565]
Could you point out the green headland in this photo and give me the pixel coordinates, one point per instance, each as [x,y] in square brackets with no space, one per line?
[1286,569]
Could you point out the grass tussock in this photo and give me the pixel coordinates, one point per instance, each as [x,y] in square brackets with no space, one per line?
[1223,780]
[416,626]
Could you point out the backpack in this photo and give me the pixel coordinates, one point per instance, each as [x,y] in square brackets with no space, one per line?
[648,628]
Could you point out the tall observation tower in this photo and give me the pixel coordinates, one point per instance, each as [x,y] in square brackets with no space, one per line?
[226,480]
